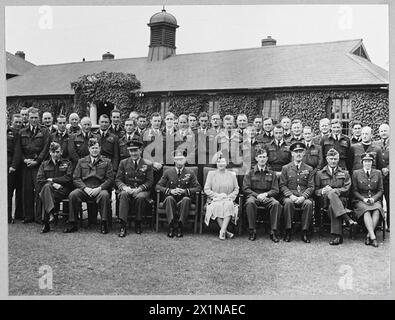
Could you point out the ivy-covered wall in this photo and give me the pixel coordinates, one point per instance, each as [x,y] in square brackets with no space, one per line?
[369,106]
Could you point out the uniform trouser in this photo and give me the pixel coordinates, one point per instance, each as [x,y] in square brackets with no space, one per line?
[336,210]
[29,195]
[172,204]
[138,204]
[48,197]
[387,200]
[268,203]
[307,213]
[14,183]
[103,199]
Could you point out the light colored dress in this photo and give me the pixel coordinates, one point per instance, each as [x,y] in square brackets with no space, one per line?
[218,206]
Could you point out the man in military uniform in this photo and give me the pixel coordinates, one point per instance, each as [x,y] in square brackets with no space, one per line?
[134,179]
[297,131]
[356,132]
[93,177]
[61,136]
[325,124]
[267,135]
[192,122]
[141,124]
[25,117]
[384,145]
[47,121]
[258,125]
[109,146]
[14,181]
[297,187]
[116,127]
[130,134]
[78,143]
[340,143]
[179,185]
[54,182]
[279,153]
[313,154]
[332,187]
[74,121]
[286,124]
[260,187]
[33,144]
[366,146]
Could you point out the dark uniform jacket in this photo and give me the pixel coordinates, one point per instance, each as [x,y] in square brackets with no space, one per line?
[256,182]
[109,147]
[33,146]
[358,149]
[264,137]
[287,136]
[279,156]
[318,138]
[74,130]
[119,131]
[340,181]
[364,187]
[12,149]
[78,146]
[343,146]
[61,173]
[295,139]
[355,140]
[385,154]
[63,140]
[142,177]
[298,183]
[170,180]
[94,175]
[123,147]
[313,156]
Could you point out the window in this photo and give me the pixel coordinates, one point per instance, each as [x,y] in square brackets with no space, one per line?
[341,109]
[212,106]
[269,108]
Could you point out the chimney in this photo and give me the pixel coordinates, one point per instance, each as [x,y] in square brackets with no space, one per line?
[20,54]
[268,42]
[108,56]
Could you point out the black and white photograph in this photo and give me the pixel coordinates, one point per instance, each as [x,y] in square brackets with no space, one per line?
[198,151]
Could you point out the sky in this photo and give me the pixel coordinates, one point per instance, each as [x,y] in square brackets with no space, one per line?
[60,34]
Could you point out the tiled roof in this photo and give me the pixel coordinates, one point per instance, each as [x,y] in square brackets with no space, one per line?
[305,65]
[16,65]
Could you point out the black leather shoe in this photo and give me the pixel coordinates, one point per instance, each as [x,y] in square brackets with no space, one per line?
[179,232]
[274,238]
[287,237]
[374,243]
[70,229]
[122,232]
[368,241]
[305,237]
[252,236]
[336,241]
[45,228]
[137,228]
[170,234]
[27,221]
[104,229]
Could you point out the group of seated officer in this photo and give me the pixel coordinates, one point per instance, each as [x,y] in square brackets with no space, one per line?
[113,140]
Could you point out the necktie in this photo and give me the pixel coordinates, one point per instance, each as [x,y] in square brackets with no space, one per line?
[129,137]
[297,167]
[179,173]
[135,165]
[368,174]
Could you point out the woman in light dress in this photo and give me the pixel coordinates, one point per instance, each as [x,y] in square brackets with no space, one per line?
[221,189]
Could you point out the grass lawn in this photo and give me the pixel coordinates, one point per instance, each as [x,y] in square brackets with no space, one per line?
[88,263]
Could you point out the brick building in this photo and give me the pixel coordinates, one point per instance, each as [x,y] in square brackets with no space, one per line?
[311,81]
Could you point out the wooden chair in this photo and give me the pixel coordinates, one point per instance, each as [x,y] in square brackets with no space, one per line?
[203,201]
[161,216]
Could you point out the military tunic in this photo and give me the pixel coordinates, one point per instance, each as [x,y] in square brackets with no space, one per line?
[92,175]
[313,156]
[63,140]
[171,180]
[358,149]
[109,147]
[141,177]
[343,146]
[33,145]
[299,183]
[335,200]
[61,173]
[279,156]
[257,182]
[367,187]
[78,146]
[385,153]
